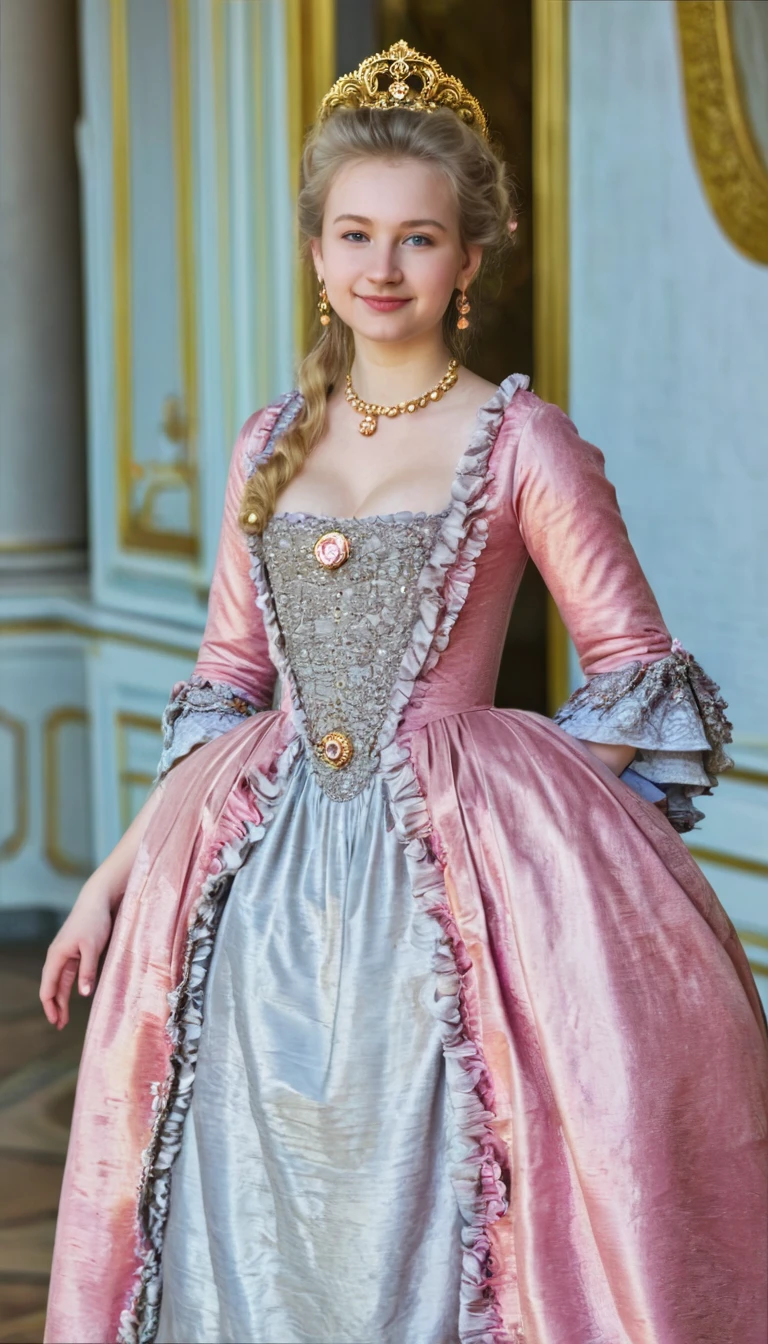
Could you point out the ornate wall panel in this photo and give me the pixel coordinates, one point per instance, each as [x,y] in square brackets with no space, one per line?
[45,793]
[187,181]
[66,819]
[14,789]
[724,53]
[155,308]
[127,690]
[187,199]
[138,742]
[311,53]
[669,326]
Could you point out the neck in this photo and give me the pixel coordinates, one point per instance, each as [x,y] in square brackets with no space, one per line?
[386,373]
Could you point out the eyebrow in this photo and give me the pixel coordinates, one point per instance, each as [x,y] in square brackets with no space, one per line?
[406,223]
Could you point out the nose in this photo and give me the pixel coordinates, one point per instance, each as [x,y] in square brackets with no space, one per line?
[382,266]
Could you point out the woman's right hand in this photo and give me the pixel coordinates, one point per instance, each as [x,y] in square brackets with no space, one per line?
[75,951]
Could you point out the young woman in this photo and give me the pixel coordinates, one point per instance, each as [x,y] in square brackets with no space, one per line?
[462,1045]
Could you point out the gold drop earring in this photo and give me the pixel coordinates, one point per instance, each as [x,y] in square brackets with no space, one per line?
[464,306]
[323,306]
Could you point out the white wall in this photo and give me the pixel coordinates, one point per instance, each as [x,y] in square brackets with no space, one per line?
[669,375]
[669,347]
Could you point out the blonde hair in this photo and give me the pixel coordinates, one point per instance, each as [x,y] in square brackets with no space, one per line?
[483,194]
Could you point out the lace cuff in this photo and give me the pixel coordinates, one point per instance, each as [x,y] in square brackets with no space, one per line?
[672,712]
[197,712]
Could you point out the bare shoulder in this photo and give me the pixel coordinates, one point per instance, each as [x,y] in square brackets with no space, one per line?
[473,387]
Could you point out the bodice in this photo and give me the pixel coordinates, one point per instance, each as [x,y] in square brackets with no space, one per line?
[346,621]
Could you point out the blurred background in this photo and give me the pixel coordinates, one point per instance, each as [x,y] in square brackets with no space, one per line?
[151,299]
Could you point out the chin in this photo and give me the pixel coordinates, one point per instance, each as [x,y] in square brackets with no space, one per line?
[386,328]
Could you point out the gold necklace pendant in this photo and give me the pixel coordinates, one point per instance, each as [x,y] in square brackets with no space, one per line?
[371,410]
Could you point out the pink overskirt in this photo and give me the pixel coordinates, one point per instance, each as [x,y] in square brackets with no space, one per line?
[625,1043]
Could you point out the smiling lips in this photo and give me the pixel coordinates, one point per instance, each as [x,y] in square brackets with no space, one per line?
[383,305]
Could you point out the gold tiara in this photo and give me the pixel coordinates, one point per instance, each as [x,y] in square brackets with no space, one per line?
[398,65]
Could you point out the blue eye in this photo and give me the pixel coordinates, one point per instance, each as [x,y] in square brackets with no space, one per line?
[355,233]
[420,238]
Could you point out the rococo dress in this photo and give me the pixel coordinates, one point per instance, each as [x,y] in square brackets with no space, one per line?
[462,1046]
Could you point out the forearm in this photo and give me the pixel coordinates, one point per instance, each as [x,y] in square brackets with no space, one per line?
[616,756]
[111,876]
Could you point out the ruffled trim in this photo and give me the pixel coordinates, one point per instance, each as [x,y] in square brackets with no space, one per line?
[402,516]
[199,711]
[283,413]
[447,574]
[672,712]
[249,809]
[477,1157]
[445,579]
[260,444]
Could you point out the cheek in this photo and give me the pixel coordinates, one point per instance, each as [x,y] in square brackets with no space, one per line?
[343,281]
[340,253]
[432,275]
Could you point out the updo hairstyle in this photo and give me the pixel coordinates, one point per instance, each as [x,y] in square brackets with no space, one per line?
[483,193]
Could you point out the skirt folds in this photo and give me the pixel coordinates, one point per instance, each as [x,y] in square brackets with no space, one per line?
[626,1039]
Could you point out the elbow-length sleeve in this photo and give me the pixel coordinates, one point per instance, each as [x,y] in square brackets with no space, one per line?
[233,676]
[641,688]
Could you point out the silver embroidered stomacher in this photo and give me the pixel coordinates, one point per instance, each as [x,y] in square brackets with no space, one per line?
[346,598]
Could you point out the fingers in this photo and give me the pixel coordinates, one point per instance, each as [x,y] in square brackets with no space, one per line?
[57,963]
[49,981]
[58,977]
[89,964]
[73,955]
[63,991]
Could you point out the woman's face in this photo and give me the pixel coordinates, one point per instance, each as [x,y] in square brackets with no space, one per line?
[390,252]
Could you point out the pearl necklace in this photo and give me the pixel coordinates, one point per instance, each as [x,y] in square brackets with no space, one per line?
[371,410]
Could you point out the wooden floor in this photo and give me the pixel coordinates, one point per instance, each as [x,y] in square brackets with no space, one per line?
[38,1068]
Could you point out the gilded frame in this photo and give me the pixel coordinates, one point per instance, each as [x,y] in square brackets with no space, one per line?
[311,58]
[181,419]
[551,280]
[17,733]
[68,865]
[733,173]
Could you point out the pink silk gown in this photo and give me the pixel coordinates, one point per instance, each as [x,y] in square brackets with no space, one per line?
[605,1049]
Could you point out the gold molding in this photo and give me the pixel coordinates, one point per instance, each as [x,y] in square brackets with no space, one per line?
[32,547]
[223,215]
[18,836]
[733,173]
[56,856]
[183,159]
[757,867]
[753,936]
[551,275]
[745,775]
[121,258]
[132,532]
[54,627]
[125,720]
[259,161]
[310,72]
